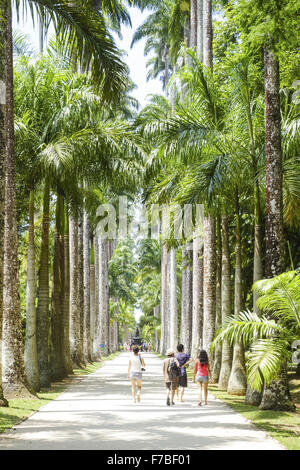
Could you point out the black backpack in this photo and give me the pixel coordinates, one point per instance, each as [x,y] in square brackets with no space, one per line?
[173,370]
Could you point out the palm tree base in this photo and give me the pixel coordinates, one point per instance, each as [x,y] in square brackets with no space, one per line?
[253,397]
[19,390]
[3,402]
[277,396]
[237,384]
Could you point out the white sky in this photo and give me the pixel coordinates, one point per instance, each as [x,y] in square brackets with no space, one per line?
[135,59]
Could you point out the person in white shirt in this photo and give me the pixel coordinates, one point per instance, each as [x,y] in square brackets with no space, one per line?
[135,366]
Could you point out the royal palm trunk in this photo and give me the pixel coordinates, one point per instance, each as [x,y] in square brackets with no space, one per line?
[156,336]
[186,300]
[86,282]
[218,349]
[258,272]
[14,378]
[3,401]
[103,296]
[75,344]
[207,34]
[96,342]
[226,305]
[42,313]
[209,284]
[277,395]
[237,384]
[66,312]
[189,301]
[30,352]
[193,23]
[200,29]
[57,363]
[81,285]
[163,297]
[183,293]
[197,323]
[92,300]
[173,300]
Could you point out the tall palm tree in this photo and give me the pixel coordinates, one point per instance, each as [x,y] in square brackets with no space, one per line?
[14,379]
[237,383]
[3,401]
[278,390]
[226,304]
[90,44]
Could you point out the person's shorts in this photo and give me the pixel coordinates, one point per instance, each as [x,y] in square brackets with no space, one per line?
[136,375]
[183,381]
[173,384]
[202,378]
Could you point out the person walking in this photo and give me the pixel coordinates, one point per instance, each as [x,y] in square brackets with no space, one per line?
[184,360]
[170,364]
[202,375]
[135,367]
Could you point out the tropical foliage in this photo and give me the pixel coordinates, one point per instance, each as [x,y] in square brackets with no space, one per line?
[225,135]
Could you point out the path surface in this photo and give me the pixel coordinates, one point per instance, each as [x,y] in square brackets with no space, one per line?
[98,413]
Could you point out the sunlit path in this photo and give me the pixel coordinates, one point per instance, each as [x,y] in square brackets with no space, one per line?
[98,413]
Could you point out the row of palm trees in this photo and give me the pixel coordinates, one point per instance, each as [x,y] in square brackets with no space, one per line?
[70,136]
[212,140]
[204,142]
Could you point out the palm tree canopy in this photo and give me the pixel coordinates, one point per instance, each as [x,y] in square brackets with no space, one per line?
[84,38]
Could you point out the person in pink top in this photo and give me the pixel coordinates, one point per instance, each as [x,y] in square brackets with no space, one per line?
[202,375]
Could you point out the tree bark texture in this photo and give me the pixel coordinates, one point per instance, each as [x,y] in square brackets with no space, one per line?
[81,285]
[3,401]
[163,298]
[30,351]
[86,287]
[274,218]
[237,384]
[193,24]
[226,305]
[103,296]
[277,395]
[197,324]
[218,349]
[96,341]
[200,29]
[66,300]
[207,34]
[42,312]
[14,378]
[209,284]
[156,336]
[57,363]
[173,301]
[75,344]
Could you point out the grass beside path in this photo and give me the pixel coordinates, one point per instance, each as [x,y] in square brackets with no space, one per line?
[19,408]
[281,425]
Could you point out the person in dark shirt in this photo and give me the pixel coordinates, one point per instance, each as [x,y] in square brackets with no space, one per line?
[184,360]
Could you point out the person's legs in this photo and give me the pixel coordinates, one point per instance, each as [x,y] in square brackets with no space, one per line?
[168,387]
[200,392]
[139,388]
[173,395]
[133,388]
[175,385]
[205,385]
[182,392]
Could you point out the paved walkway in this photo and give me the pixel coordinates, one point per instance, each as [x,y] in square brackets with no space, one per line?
[98,413]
